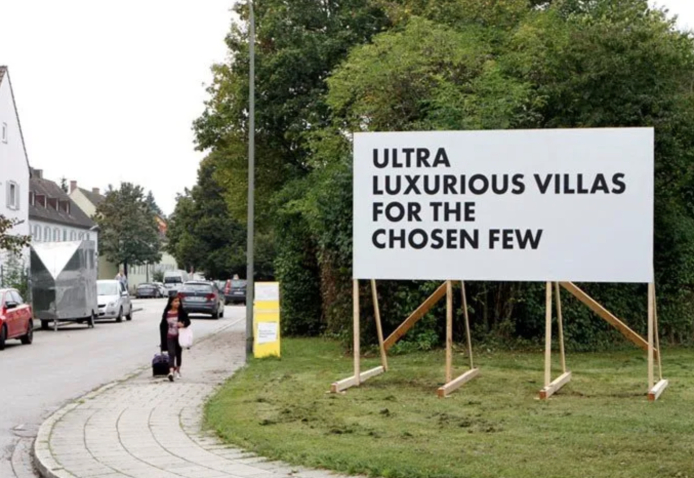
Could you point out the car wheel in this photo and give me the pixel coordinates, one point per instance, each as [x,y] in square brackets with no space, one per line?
[130,314]
[120,315]
[91,321]
[44,325]
[3,337]
[221,313]
[29,337]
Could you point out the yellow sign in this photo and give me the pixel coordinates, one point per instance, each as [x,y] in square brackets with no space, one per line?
[266,320]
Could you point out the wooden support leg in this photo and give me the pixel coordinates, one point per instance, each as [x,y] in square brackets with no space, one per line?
[467,326]
[560,326]
[657,335]
[449,331]
[379,328]
[359,377]
[552,386]
[548,334]
[654,391]
[356,331]
[650,336]
[454,384]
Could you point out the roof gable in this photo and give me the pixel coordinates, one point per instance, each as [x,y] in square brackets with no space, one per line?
[92,197]
[5,75]
[74,217]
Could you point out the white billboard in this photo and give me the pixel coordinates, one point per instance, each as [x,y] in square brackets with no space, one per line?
[518,205]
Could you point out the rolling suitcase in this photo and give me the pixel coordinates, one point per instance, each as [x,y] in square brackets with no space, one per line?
[160,364]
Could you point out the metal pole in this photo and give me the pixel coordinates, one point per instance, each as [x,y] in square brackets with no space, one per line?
[251,183]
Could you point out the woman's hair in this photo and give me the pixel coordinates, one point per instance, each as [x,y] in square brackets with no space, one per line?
[168,304]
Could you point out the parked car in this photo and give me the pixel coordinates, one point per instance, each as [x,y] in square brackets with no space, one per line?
[16,318]
[162,288]
[114,300]
[235,291]
[148,291]
[198,297]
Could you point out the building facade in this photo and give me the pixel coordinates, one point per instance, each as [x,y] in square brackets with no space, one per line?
[54,217]
[88,201]
[14,169]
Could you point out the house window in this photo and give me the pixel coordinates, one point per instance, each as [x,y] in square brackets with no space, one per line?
[73,235]
[12,195]
[64,234]
[56,235]
[32,199]
[4,132]
[38,233]
[46,234]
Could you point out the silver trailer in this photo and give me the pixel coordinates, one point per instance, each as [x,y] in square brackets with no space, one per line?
[63,282]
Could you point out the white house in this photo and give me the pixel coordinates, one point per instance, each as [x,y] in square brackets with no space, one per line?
[53,216]
[14,164]
[88,201]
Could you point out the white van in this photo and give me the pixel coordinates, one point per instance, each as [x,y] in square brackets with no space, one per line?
[174,280]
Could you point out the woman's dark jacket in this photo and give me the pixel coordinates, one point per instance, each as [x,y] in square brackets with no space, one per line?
[164,325]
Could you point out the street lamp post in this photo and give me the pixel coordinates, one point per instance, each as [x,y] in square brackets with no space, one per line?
[250,288]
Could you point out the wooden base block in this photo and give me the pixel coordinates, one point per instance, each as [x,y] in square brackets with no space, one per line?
[555,386]
[346,383]
[457,382]
[657,390]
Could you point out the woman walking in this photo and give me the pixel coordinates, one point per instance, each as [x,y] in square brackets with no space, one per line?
[174,318]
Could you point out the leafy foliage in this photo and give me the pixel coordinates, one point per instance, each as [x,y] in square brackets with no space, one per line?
[326,69]
[152,203]
[11,243]
[14,273]
[202,234]
[129,233]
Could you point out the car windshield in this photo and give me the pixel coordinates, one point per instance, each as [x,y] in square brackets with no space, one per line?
[238,283]
[172,280]
[197,288]
[107,288]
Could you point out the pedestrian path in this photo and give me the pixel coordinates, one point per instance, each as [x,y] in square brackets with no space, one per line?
[150,428]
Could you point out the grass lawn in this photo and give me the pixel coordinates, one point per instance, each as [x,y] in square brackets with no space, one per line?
[598,425]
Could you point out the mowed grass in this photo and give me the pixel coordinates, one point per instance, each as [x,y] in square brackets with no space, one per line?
[598,425]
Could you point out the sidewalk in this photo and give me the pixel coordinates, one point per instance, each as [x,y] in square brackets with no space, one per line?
[150,428]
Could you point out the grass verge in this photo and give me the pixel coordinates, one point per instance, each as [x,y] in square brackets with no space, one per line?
[598,425]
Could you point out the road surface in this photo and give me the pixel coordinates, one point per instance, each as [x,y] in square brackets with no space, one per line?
[38,379]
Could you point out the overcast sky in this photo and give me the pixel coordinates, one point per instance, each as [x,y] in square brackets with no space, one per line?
[107,90]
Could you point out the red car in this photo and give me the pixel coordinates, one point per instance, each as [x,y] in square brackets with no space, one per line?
[16,318]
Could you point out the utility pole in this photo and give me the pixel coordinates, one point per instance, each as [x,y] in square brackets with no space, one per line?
[250,286]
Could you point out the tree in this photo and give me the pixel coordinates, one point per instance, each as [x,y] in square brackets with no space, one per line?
[63,185]
[153,204]
[129,233]
[298,44]
[9,242]
[202,233]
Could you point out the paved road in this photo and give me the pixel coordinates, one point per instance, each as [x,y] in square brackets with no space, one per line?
[38,379]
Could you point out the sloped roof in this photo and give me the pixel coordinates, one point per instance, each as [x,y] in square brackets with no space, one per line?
[93,198]
[76,218]
[4,72]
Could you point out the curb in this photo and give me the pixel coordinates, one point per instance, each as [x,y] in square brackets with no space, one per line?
[43,459]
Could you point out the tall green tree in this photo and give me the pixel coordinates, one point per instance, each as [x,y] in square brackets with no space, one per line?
[298,44]
[129,233]
[152,203]
[202,234]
